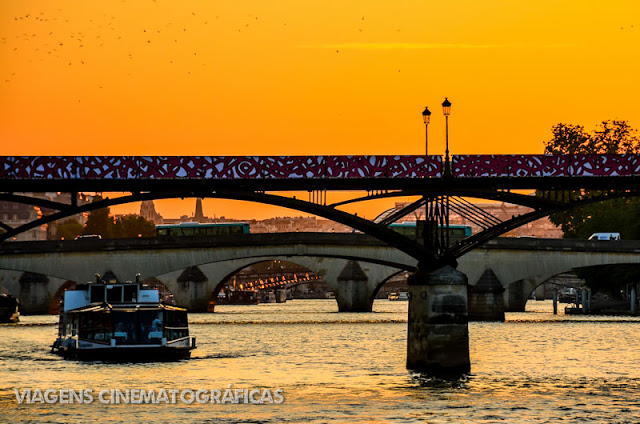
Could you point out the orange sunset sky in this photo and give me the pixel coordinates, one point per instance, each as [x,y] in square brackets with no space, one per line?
[284,77]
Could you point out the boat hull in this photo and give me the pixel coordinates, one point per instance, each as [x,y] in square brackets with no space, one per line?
[126,354]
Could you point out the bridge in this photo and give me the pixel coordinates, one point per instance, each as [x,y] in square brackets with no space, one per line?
[355,266]
[439,292]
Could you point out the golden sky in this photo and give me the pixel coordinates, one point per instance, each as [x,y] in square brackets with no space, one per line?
[284,77]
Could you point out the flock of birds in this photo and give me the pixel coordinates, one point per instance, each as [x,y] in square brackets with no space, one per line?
[52,36]
[39,37]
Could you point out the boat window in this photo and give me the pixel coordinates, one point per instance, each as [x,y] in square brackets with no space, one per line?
[126,329]
[114,294]
[95,326]
[130,293]
[151,326]
[176,325]
[97,294]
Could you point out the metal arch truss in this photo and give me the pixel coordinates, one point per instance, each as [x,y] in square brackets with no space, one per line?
[544,204]
[381,232]
[433,253]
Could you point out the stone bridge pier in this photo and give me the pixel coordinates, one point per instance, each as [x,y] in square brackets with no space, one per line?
[355,283]
[517,293]
[486,300]
[438,330]
[37,293]
[353,293]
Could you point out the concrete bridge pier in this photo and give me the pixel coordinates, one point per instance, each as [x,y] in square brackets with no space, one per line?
[193,289]
[34,293]
[353,292]
[486,302]
[517,293]
[438,333]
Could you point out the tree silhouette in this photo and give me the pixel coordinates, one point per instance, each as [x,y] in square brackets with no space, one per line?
[69,229]
[99,222]
[133,226]
[616,215]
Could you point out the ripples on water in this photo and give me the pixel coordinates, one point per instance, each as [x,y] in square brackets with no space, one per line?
[341,367]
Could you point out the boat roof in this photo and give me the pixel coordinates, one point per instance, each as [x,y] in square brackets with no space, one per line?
[95,307]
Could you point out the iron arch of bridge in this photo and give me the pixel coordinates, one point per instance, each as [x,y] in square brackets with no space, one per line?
[406,245]
[543,206]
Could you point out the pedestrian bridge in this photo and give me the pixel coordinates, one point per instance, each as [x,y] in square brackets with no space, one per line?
[355,266]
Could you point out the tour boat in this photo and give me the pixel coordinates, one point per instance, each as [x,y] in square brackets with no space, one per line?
[118,322]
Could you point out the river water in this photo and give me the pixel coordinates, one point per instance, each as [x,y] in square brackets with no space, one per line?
[342,367]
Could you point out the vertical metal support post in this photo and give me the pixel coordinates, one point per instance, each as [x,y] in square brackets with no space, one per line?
[446,216]
[440,221]
[584,301]
[447,164]
[555,301]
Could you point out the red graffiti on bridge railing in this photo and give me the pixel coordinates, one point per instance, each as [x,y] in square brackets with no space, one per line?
[312,167]
[218,167]
[469,166]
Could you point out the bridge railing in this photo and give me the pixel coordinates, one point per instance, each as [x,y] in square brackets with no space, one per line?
[218,167]
[470,166]
[311,167]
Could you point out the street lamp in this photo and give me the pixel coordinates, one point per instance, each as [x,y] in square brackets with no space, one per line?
[446,109]
[426,116]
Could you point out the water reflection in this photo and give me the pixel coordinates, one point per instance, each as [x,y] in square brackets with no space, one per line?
[339,367]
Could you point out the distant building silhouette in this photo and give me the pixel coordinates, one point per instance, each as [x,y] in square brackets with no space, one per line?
[199,216]
[148,212]
[15,214]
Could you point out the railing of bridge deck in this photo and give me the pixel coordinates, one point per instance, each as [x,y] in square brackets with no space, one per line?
[218,167]
[312,167]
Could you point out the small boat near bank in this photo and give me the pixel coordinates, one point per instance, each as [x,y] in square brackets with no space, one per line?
[119,322]
[9,308]
[403,296]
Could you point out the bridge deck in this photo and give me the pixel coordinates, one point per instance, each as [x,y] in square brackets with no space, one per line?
[305,238]
[305,172]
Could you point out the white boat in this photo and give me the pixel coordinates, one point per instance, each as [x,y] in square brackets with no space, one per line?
[398,296]
[121,322]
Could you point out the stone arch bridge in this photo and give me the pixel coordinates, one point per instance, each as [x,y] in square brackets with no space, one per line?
[355,266]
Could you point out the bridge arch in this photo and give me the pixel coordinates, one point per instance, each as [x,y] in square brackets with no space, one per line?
[196,296]
[386,280]
[270,274]
[518,293]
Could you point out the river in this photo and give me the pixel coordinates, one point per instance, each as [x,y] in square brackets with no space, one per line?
[342,367]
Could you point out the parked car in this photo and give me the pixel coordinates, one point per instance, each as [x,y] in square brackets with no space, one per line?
[88,236]
[605,236]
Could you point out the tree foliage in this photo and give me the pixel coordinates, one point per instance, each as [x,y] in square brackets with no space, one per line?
[610,137]
[99,222]
[616,215]
[68,230]
[102,223]
[133,226]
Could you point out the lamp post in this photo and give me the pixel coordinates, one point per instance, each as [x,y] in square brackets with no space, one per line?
[446,109]
[426,116]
